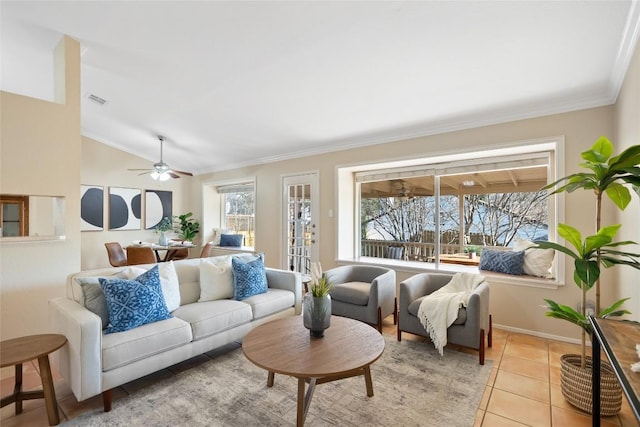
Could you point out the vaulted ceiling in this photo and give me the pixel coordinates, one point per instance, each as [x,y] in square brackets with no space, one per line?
[231,83]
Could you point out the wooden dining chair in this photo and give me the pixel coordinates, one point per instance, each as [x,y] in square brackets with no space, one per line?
[140,255]
[176,254]
[206,250]
[117,256]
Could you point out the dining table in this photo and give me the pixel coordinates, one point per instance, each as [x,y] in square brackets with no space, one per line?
[164,252]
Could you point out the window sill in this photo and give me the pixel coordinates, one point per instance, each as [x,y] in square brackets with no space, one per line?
[429,267]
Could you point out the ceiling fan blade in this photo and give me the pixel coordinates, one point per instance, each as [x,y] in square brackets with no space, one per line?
[137,170]
[172,175]
[182,172]
[144,173]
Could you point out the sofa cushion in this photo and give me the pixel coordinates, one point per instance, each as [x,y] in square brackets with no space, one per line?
[133,303]
[127,347]
[216,278]
[273,301]
[356,293]
[210,317]
[249,277]
[508,262]
[460,320]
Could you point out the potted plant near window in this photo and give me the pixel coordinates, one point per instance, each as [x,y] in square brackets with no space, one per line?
[610,175]
[188,226]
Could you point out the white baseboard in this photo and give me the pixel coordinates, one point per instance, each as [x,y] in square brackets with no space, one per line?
[540,334]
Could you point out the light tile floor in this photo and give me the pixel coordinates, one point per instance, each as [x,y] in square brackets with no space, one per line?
[523,388]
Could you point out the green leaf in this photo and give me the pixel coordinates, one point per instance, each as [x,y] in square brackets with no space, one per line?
[600,152]
[571,235]
[592,243]
[619,195]
[543,244]
[613,310]
[587,271]
[629,157]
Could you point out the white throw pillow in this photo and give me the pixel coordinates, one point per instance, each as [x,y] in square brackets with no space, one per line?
[216,278]
[170,284]
[537,262]
[217,232]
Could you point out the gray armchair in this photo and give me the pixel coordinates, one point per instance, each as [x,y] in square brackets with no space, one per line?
[468,330]
[362,292]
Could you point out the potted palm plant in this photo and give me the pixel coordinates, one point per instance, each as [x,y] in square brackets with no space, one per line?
[611,176]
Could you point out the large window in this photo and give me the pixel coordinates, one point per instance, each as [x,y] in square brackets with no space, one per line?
[446,210]
[238,209]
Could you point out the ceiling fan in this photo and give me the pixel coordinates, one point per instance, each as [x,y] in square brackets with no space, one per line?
[403,192]
[161,171]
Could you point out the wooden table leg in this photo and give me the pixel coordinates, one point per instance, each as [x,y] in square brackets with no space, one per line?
[17,389]
[367,380]
[270,379]
[49,391]
[300,415]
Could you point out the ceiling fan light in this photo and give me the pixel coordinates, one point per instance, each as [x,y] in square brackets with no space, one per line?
[164,176]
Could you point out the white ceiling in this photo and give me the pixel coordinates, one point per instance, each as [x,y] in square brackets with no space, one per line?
[232,83]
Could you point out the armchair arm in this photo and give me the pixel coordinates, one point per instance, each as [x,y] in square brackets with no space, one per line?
[80,360]
[383,288]
[287,280]
[478,307]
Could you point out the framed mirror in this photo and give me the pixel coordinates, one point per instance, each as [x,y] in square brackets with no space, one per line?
[30,217]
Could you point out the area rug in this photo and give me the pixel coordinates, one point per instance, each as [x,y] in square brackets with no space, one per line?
[413,386]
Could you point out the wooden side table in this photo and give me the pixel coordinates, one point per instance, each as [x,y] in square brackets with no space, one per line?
[19,350]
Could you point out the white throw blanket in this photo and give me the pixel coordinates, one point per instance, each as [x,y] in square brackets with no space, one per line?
[440,309]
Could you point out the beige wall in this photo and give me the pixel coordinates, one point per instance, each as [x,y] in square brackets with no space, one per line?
[627,133]
[517,307]
[40,155]
[107,167]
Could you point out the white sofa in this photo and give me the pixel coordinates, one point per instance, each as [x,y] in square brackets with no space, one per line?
[93,362]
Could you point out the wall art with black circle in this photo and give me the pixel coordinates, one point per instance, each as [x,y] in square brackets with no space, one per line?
[91,208]
[158,204]
[125,208]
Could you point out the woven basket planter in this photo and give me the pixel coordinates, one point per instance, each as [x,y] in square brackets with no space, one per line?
[576,385]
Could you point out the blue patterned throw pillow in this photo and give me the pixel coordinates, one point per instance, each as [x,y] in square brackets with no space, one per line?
[509,262]
[134,303]
[249,277]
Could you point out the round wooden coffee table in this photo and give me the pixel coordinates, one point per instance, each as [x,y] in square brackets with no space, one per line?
[19,350]
[284,346]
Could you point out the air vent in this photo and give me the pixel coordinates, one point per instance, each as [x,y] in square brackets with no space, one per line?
[97,99]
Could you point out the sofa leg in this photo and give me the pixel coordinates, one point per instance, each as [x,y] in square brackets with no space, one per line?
[107,395]
[379,319]
[395,311]
[481,349]
[490,336]
[399,334]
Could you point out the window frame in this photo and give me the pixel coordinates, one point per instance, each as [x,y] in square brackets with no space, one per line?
[213,208]
[348,196]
